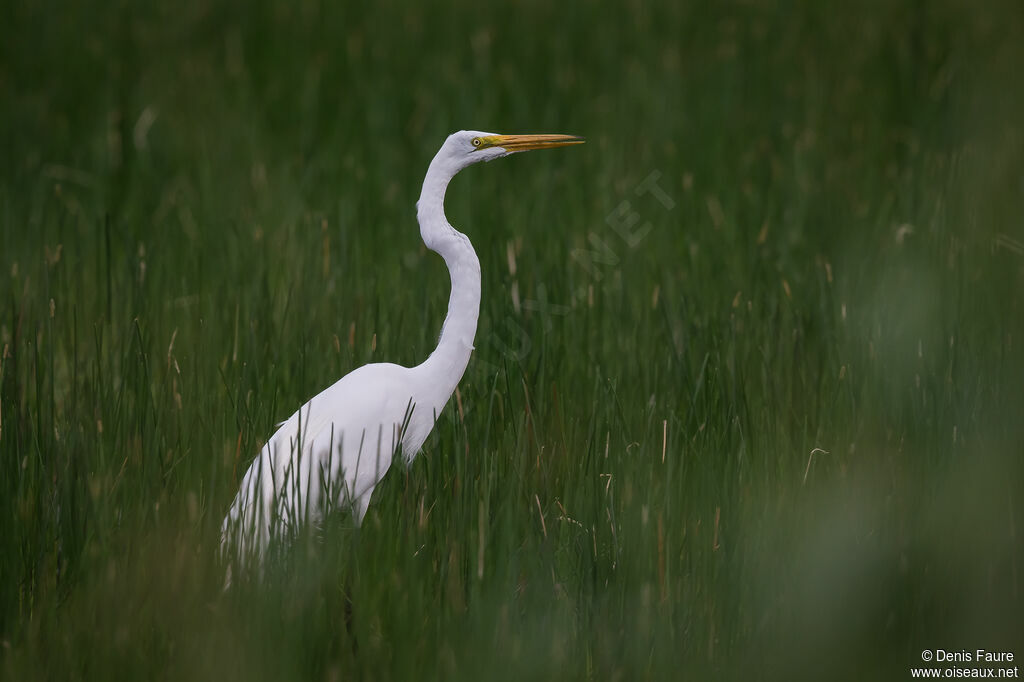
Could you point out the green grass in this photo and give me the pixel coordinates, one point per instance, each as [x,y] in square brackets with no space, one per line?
[206,217]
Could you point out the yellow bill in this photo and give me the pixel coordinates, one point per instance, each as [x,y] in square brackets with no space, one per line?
[522,143]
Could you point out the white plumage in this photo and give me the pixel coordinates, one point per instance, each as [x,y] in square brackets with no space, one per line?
[335,449]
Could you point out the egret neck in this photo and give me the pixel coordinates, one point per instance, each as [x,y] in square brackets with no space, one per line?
[448,362]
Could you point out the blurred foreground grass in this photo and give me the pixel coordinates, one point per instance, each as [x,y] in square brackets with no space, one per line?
[747,394]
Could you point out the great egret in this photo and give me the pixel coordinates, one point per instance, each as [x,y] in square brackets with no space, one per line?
[336,448]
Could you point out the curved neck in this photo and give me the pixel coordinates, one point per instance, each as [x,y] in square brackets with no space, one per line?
[448,362]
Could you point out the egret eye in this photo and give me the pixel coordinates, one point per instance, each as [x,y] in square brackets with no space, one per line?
[477,142]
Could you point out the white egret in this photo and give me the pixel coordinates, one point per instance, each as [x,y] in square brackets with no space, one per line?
[335,449]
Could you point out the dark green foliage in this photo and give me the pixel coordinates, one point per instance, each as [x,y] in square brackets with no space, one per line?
[749,380]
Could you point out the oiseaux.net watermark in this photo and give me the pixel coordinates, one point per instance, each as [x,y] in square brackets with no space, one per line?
[963,663]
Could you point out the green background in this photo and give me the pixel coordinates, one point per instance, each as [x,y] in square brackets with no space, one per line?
[772,428]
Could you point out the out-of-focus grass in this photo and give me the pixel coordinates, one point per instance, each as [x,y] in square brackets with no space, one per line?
[761,421]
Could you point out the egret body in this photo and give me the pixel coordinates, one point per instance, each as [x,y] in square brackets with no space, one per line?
[335,449]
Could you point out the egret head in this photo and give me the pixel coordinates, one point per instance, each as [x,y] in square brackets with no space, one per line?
[462,149]
[467,147]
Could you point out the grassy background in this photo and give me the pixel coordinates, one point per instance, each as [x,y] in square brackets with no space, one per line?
[206,217]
